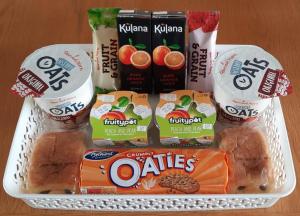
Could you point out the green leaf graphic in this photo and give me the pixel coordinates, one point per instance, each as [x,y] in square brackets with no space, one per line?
[203,116]
[114,107]
[130,41]
[123,101]
[130,114]
[101,91]
[165,42]
[103,16]
[193,141]
[174,47]
[140,46]
[178,107]
[185,100]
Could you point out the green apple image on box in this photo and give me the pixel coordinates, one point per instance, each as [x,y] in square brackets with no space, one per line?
[186,118]
[121,118]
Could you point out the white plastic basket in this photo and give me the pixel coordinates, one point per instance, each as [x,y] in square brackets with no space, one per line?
[30,125]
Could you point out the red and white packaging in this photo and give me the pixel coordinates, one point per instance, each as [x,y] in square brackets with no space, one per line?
[245,80]
[203,28]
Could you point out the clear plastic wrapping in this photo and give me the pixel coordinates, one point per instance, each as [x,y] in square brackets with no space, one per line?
[55,162]
[248,157]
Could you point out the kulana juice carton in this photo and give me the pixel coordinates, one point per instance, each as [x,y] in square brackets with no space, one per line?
[186,118]
[121,118]
[134,31]
[168,45]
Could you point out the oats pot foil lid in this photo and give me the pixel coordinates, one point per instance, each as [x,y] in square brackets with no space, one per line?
[250,73]
[59,79]
[245,80]
[53,71]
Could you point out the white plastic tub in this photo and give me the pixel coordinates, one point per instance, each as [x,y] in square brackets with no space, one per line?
[30,125]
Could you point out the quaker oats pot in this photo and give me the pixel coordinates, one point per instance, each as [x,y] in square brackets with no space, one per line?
[245,80]
[59,79]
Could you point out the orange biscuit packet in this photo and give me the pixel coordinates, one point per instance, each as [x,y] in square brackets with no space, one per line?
[153,171]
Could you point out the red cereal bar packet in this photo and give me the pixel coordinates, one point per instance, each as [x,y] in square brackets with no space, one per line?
[203,27]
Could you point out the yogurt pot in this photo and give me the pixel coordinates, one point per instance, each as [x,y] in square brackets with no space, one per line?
[121,118]
[186,118]
[245,80]
[59,79]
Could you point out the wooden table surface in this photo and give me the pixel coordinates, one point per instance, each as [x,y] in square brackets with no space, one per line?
[28,25]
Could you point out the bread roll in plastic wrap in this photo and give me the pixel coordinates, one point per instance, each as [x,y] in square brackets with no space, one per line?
[55,162]
[249,162]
